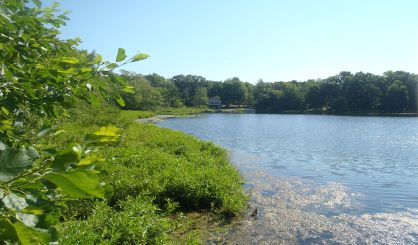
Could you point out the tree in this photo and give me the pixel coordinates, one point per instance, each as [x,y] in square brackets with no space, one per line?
[152,91]
[250,100]
[396,99]
[410,81]
[362,92]
[146,96]
[313,97]
[188,85]
[171,95]
[338,105]
[234,92]
[156,80]
[200,98]
[215,89]
[292,98]
[272,102]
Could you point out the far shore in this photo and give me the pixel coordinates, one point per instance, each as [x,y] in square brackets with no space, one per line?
[158,118]
[349,113]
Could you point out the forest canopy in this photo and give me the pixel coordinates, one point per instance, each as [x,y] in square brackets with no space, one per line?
[394,91]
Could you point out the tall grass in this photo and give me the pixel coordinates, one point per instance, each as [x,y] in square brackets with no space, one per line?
[157,177]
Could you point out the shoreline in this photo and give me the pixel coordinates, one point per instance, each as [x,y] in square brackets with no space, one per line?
[293,210]
[211,227]
[155,119]
[366,114]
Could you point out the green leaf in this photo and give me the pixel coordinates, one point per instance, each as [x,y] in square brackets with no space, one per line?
[45,132]
[59,131]
[88,160]
[120,100]
[8,74]
[5,125]
[32,152]
[85,69]
[67,157]
[37,3]
[111,66]
[105,135]
[72,70]
[129,89]
[30,220]
[79,183]
[13,162]
[98,59]
[25,184]
[48,10]
[5,111]
[7,231]
[109,131]
[139,57]
[51,217]
[32,210]
[70,60]
[117,79]
[14,202]
[27,235]
[121,55]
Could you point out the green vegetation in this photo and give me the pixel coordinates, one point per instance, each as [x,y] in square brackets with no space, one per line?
[41,76]
[155,92]
[157,176]
[71,167]
[74,168]
[394,92]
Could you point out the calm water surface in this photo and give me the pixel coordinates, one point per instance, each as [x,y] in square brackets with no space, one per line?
[361,172]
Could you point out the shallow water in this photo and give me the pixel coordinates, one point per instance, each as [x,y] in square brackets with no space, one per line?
[321,179]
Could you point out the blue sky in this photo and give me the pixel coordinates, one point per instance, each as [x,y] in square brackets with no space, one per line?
[273,40]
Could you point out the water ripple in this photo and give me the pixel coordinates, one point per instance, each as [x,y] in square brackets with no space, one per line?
[294,211]
[331,179]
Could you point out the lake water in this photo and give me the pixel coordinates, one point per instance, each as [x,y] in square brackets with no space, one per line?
[321,179]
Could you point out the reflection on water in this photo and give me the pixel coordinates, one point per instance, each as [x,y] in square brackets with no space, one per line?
[292,210]
[321,179]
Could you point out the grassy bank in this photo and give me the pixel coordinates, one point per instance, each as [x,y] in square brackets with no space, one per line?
[159,179]
[182,111]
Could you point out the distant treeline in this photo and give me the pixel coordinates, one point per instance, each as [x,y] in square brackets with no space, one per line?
[345,92]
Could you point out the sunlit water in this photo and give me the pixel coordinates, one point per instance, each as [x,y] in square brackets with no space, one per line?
[321,179]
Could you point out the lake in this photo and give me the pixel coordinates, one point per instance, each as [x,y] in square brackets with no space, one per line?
[337,179]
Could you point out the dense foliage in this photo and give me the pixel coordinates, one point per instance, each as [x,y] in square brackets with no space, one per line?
[40,77]
[345,92]
[72,169]
[154,91]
